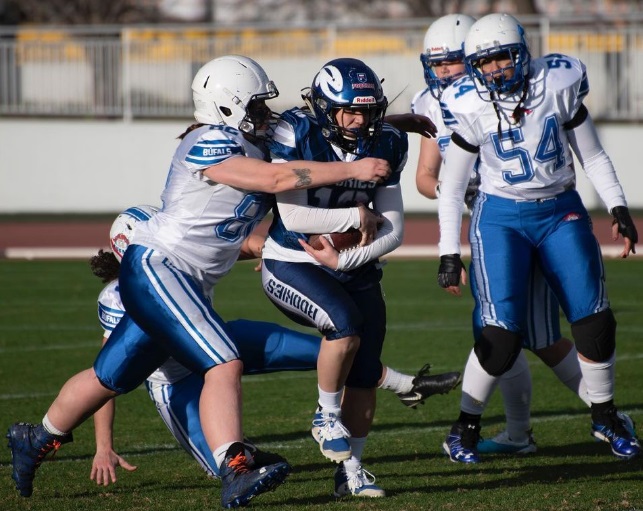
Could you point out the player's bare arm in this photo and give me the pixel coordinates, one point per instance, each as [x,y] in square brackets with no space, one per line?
[105,461]
[413,123]
[252,246]
[253,174]
[427,173]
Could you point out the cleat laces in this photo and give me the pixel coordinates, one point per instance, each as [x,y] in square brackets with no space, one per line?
[239,464]
[359,478]
[329,427]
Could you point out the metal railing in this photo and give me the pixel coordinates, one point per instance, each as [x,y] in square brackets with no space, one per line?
[145,71]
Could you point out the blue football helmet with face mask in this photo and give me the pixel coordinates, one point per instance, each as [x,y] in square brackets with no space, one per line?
[497,36]
[348,84]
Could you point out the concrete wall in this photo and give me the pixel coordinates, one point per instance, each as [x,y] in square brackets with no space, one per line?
[78,166]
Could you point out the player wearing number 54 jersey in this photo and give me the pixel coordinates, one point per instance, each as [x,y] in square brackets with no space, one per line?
[521,119]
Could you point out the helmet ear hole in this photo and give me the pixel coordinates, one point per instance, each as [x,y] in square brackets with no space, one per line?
[225,111]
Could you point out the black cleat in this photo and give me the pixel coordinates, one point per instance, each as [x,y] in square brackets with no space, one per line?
[425,386]
[241,481]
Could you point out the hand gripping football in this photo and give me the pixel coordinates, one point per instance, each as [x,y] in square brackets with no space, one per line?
[339,240]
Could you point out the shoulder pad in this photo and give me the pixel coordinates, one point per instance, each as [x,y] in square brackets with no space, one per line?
[561,72]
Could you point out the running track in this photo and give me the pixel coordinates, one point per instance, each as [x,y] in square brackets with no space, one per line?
[82,239]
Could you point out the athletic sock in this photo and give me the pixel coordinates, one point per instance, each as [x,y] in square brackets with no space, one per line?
[397,382]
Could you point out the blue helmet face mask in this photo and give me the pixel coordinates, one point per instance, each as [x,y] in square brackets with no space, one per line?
[443,45]
[434,82]
[500,38]
[348,85]
[497,81]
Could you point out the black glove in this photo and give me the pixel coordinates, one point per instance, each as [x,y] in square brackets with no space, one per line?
[626,227]
[449,270]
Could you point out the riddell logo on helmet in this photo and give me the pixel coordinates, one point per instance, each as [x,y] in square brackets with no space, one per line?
[369,100]
[363,86]
[120,242]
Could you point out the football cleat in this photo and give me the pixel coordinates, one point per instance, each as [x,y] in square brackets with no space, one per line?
[502,444]
[461,443]
[617,429]
[628,422]
[360,483]
[241,482]
[425,386]
[331,435]
[29,444]
[261,458]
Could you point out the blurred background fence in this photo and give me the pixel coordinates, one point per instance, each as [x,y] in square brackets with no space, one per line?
[89,114]
[144,72]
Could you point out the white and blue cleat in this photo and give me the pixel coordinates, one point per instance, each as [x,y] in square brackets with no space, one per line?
[359,483]
[620,433]
[331,435]
[503,444]
[461,444]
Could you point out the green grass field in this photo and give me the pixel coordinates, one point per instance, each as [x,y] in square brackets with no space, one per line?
[49,330]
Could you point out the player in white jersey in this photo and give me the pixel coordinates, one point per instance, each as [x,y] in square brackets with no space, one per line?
[216,192]
[520,119]
[263,347]
[443,63]
[342,293]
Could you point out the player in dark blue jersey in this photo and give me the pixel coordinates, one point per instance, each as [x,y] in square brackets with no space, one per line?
[339,293]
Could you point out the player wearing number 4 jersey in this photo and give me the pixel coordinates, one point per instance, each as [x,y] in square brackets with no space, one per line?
[443,63]
[521,120]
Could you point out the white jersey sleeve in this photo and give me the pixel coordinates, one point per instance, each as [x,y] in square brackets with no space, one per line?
[110,307]
[202,224]
[298,216]
[425,104]
[388,201]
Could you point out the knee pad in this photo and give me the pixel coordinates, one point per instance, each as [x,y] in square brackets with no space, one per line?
[595,335]
[497,349]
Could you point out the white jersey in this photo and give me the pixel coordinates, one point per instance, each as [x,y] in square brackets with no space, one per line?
[423,103]
[110,312]
[529,159]
[202,224]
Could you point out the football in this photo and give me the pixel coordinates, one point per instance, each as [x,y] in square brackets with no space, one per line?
[340,240]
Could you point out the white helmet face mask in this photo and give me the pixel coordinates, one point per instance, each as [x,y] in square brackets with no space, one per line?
[498,36]
[122,231]
[443,42]
[224,87]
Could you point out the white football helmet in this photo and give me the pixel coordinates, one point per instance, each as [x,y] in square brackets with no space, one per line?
[490,36]
[122,231]
[224,87]
[444,41]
